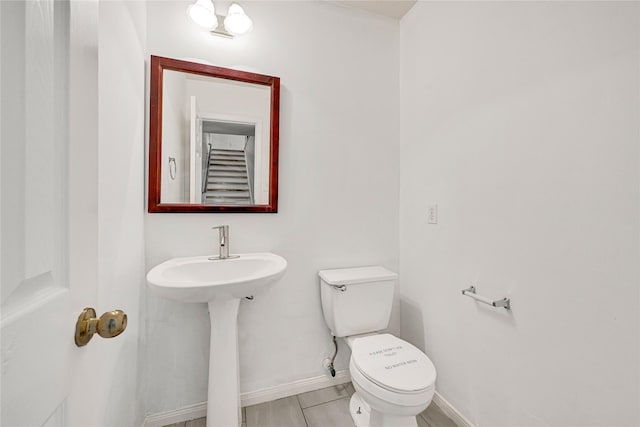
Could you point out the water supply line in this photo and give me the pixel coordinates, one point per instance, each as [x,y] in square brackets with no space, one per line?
[333,358]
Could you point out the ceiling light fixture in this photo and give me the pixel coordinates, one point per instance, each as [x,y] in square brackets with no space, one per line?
[203,13]
[235,23]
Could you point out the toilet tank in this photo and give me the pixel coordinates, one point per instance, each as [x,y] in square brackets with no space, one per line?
[357,300]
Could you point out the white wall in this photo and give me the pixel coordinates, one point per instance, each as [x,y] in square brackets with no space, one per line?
[121,207]
[521,121]
[228,142]
[175,137]
[334,209]
[243,102]
[219,97]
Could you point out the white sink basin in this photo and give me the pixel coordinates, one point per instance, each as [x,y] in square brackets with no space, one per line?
[222,284]
[199,279]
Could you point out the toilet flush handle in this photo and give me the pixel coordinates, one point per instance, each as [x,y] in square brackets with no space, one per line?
[341,288]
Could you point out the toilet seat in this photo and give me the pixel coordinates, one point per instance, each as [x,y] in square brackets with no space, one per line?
[393,364]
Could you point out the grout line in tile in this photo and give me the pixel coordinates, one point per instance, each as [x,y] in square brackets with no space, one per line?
[322,403]
[302,410]
[424,419]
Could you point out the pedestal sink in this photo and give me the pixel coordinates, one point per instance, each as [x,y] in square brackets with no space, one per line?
[222,283]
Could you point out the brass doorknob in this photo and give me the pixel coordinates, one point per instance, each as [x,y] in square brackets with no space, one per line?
[109,325]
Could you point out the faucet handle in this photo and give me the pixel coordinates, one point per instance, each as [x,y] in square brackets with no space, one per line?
[223,233]
[223,242]
[223,230]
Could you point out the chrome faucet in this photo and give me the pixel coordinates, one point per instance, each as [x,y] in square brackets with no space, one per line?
[223,231]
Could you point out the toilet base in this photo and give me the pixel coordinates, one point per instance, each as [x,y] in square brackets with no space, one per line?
[360,411]
[364,416]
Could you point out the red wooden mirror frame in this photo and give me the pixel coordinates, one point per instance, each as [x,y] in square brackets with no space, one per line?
[158,65]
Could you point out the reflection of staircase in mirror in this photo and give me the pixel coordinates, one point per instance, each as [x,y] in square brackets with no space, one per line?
[227,179]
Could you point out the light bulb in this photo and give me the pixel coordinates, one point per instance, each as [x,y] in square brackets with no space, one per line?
[237,22]
[203,13]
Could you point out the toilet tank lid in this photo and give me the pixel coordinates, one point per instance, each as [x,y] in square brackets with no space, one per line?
[350,276]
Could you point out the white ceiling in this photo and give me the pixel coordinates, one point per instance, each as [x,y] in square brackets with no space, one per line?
[391,8]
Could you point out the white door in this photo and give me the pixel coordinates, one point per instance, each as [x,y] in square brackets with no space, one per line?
[48,205]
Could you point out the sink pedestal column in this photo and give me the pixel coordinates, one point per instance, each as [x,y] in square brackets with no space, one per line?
[223,400]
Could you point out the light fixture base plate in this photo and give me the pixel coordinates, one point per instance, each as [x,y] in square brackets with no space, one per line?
[220,30]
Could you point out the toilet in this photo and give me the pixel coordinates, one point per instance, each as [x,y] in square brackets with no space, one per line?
[394,380]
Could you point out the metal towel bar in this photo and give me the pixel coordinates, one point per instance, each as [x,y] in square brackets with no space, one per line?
[471,292]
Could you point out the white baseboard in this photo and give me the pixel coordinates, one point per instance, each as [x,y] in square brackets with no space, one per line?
[199,410]
[185,413]
[450,411]
[291,389]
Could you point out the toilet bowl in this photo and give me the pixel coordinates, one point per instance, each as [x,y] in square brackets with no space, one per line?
[394,380]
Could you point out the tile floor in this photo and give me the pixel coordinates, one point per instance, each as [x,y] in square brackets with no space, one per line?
[328,407]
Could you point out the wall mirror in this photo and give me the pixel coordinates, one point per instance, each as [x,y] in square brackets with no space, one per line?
[213,138]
